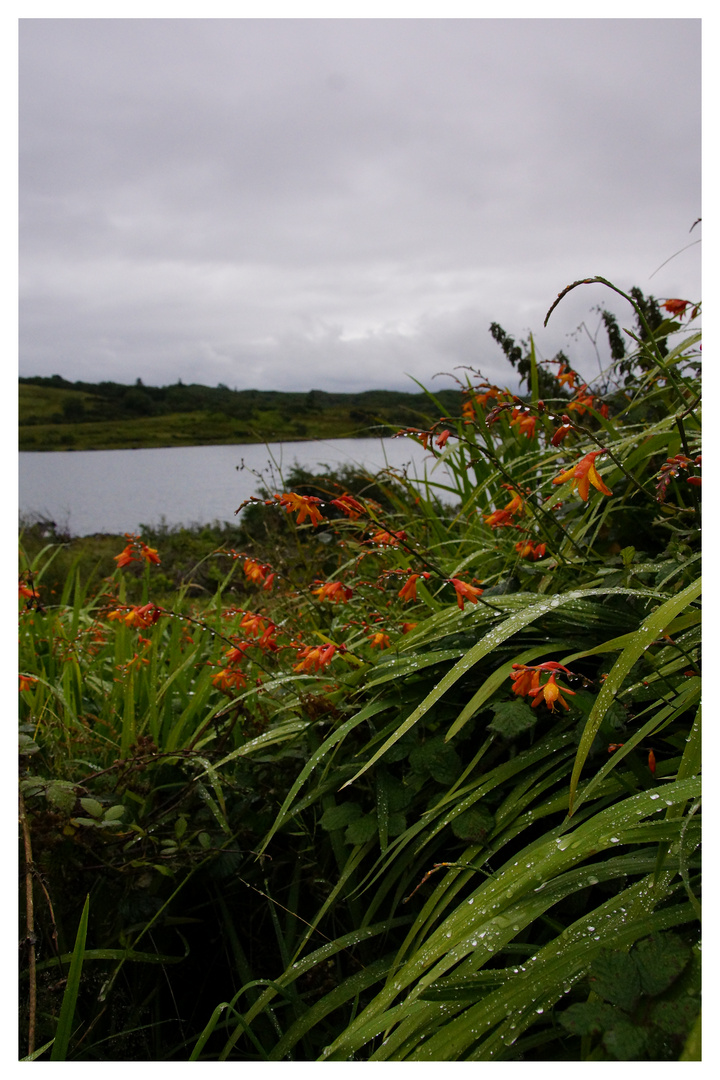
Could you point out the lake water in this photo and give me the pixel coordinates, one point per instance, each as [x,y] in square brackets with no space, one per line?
[117,491]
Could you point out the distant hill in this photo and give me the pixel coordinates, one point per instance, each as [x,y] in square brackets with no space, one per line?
[56,414]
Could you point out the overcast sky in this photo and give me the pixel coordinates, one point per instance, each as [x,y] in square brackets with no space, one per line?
[289,204]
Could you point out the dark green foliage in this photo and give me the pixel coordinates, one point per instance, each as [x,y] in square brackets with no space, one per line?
[511,719]
[646,1011]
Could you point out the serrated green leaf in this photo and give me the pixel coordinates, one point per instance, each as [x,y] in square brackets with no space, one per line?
[625,1041]
[660,960]
[61,794]
[511,719]
[362,830]
[473,825]
[588,1017]
[675,1017]
[615,977]
[437,759]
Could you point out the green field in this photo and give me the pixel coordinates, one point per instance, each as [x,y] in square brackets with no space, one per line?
[115,417]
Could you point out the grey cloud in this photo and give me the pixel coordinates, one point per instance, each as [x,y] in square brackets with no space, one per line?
[297,203]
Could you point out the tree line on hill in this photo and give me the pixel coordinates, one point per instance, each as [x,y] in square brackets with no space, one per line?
[116,401]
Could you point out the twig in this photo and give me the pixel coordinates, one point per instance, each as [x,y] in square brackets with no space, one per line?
[29,927]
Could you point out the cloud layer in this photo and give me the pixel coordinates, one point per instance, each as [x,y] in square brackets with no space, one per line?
[341,204]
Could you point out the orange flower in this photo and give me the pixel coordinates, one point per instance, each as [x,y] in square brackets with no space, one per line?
[409,589]
[676,307]
[135,550]
[254,625]
[305,505]
[229,680]
[565,375]
[442,439]
[651,762]
[499,519]
[583,401]
[526,549]
[236,653]
[26,591]
[334,591]
[255,571]
[407,627]
[315,658]
[562,431]
[349,506]
[526,680]
[583,474]
[551,693]
[142,617]
[465,592]
[149,554]
[387,539]
[126,556]
[525,421]
[379,640]
[27,682]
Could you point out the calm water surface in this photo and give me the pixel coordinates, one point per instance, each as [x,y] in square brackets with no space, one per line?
[120,490]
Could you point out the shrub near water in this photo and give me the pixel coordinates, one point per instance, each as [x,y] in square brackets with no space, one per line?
[418,782]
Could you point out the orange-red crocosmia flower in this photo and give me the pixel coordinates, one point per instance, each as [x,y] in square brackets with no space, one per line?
[442,439]
[149,554]
[527,549]
[565,375]
[550,692]
[315,658]
[409,589]
[499,519]
[349,506]
[503,518]
[407,627]
[236,653]
[305,505]
[229,680]
[583,474]
[465,592]
[564,429]
[387,539]
[334,591]
[526,680]
[26,591]
[142,617]
[255,571]
[27,682]
[254,625]
[379,641]
[651,762]
[525,421]
[126,556]
[676,307]
[614,746]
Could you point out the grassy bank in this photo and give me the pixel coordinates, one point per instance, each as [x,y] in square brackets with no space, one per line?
[109,416]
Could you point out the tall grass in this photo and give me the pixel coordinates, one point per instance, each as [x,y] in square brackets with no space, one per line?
[410,780]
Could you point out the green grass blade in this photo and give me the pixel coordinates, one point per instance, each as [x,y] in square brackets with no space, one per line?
[67,1009]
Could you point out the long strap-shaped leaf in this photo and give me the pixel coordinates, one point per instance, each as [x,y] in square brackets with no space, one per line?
[517,621]
[67,1009]
[645,634]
